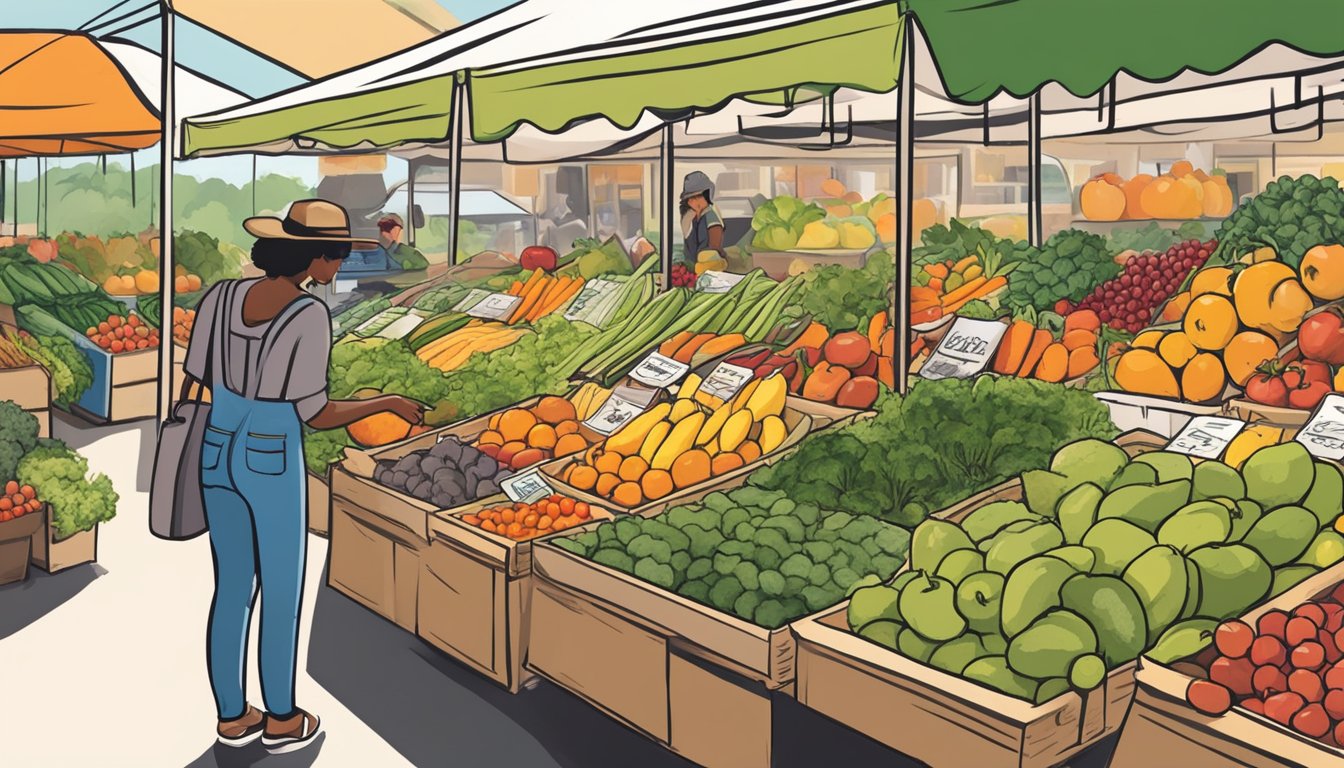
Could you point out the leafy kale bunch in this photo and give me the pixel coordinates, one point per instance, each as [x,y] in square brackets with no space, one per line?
[18,436]
[943,442]
[61,478]
[844,299]
[958,240]
[1291,216]
[1069,265]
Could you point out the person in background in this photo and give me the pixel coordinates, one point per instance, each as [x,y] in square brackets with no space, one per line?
[701,224]
[390,227]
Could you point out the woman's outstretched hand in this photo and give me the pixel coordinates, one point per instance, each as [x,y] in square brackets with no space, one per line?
[406,408]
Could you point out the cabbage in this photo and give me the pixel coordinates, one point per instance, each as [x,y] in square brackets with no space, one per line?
[779,222]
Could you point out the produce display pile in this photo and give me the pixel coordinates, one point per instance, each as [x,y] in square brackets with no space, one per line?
[1184,192]
[117,334]
[541,295]
[448,475]
[57,292]
[1069,265]
[1128,302]
[71,374]
[677,445]
[521,521]
[748,552]
[13,351]
[1291,216]
[1108,558]
[844,368]
[1287,667]
[1036,350]
[46,470]
[520,437]
[947,286]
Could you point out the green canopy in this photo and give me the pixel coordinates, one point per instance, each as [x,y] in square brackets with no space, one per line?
[982,47]
[858,49]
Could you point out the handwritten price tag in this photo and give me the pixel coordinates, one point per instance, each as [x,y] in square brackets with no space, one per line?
[473,297]
[526,487]
[624,404]
[659,371]
[726,380]
[496,306]
[1206,436]
[1324,433]
[965,350]
[717,282]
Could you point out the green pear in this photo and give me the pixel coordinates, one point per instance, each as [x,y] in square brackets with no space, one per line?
[1232,577]
[933,540]
[1009,549]
[1077,511]
[1181,641]
[1049,689]
[1196,524]
[1169,466]
[954,655]
[1290,576]
[979,597]
[928,606]
[1324,551]
[960,564]
[1159,578]
[993,672]
[1080,557]
[1117,543]
[1326,497]
[1021,525]
[1214,478]
[1245,515]
[1042,489]
[1134,474]
[1087,672]
[995,643]
[1279,474]
[1146,506]
[870,604]
[992,518]
[1194,590]
[1049,646]
[913,645]
[1089,461]
[1114,612]
[1031,589]
[1282,535]
[884,633]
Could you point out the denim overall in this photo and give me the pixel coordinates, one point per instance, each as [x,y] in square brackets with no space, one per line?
[255,492]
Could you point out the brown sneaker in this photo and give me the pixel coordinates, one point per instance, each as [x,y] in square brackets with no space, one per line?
[292,733]
[243,730]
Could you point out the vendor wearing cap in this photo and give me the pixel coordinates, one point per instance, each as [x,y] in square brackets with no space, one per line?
[701,225]
[408,258]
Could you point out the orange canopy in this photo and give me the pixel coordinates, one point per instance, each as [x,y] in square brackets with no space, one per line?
[62,94]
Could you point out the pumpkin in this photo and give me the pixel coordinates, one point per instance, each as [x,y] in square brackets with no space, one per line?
[1217,197]
[1168,198]
[1181,168]
[1102,201]
[1133,189]
[1197,187]
[923,214]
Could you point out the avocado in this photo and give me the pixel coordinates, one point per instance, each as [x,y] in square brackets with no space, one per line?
[1282,535]
[1049,646]
[1196,524]
[1279,474]
[1232,577]
[1146,506]
[1032,589]
[1160,580]
[1116,543]
[1077,511]
[1011,548]
[1214,478]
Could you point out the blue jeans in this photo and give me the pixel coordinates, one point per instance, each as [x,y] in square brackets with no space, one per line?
[252,474]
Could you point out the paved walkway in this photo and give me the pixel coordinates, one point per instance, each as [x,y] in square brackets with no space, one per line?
[103,665]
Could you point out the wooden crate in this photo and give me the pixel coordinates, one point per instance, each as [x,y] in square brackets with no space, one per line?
[319,504]
[944,719]
[799,425]
[54,555]
[1162,723]
[125,386]
[29,388]
[475,593]
[826,415]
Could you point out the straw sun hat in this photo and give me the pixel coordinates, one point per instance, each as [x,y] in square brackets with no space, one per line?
[306,220]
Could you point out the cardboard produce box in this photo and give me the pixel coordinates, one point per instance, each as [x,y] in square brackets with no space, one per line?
[54,555]
[941,718]
[1161,723]
[475,593]
[30,389]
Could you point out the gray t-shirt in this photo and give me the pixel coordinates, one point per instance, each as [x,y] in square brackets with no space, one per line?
[284,358]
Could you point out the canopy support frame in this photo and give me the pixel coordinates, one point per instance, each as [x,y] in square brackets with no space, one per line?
[454,169]
[167,122]
[1034,205]
[668,202]
[905,196]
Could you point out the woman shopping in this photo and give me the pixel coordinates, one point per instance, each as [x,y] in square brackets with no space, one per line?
[701,224]
[262,346]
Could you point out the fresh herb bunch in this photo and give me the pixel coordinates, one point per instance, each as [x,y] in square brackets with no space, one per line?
[1291,216]
[1071,263]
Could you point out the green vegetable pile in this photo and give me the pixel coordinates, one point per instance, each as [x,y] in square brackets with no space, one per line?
[1291,216]
[202,255]
[844,299]
[753,553]
[58,474]
[959,240]
[943,442]
[1152,237]
[1108,558]
[71,375]
[779,222]
[1069,265]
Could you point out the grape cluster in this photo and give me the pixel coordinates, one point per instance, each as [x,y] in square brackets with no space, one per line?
[681,276]
[1128,302]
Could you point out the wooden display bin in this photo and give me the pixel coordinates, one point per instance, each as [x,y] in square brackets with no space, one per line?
[475,592]
[54,555]
[826,415]
[940,718]
[125,386]
[1161,723]
[697,680]
[29,388]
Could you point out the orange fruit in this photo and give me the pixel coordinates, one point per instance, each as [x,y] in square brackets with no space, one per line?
[1142,371]
[1176,349]
[1245,353]
[515,423]
[1210,322]
[1203,378]
[541,436]
[1322,271]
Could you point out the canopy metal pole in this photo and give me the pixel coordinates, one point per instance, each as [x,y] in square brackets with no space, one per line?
[454,168]
[37,198]
[46,196]
[411,168]
[4,180]
[905,197]
[132,179]
[168,120]
[16,197]
[254,185]
[1035,230]
[667,219]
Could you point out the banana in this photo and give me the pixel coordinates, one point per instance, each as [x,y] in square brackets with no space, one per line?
[767,398]
[628,440]
[654,440]
[712,425]
[689,387]
[681,409]
[678,440]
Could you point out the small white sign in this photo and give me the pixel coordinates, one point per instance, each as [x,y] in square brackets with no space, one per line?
[1323,434]
[624,404]
[593,292]
[725,381]
[473,297]
[496,306]
[659,371]
[401,327]
[965,350]
[526,487]
[1206,436]
[717,282]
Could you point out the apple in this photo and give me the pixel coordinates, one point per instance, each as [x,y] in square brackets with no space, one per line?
[1321,337]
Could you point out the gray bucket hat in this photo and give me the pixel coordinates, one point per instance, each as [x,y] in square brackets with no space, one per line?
[696,183]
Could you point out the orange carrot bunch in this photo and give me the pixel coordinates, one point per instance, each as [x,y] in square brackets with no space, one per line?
[1031,352]
[542,294]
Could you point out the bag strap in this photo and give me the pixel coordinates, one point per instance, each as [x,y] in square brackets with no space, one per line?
[223,304]
[272,334]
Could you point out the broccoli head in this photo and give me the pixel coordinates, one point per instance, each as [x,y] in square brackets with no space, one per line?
[699,567]
[18,437]
[774,539]
[844,577]
[791,526]
[770,614]
[820,575]
[782,507]
[739,548]
[627,529]
[655,572]
[724,564]
[818,551]
[696,590]
[793,585]
[662,531]
[816,597]
[731,519]
[772,582]
[807,513]
[744,531]
[645,545]
[893,540]
[703,542]
[796,565]
[681,560]
[747,573]
[745,606]
[836,520]
[571,545]
[765,557]
[614,558]
[719,502]
[725,593]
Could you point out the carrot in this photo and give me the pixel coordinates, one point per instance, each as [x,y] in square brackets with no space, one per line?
[917,346]
[516,289]
[669,348]
[815,335]
[966,289]
[875,327]
[920,293]
[937,285]
[531,292]
[1039,342]
[925,316]
[937,270]
[966,263]
[1054,363]
[553,302]
[688,350]
[986,288]
[547,301]
[1013,348]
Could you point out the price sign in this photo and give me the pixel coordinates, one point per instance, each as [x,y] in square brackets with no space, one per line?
[725,381]
[472,298]
[496,306]
[1206,436]
[526,487]
[965,350]
[659,371]
[624,404]
[1324,433]
[593,292]
[717,282]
